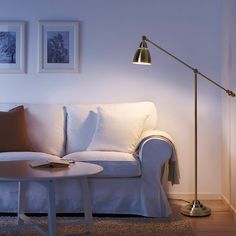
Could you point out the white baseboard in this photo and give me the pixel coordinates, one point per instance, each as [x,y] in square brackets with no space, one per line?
[190,196]
[228,203]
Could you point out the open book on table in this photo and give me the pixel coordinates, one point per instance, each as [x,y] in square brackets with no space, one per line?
[49,163]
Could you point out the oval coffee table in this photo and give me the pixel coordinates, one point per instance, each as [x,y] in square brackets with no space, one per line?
[21,172]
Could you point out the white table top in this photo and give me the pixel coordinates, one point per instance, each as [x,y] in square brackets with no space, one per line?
[21,171]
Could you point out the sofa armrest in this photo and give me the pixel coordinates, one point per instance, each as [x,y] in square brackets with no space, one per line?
[154,133]
[154,149]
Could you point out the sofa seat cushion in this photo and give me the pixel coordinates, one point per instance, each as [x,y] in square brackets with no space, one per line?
[18,156]
[115,164]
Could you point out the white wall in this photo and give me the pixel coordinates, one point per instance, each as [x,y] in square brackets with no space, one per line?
[229,114]
[110,31]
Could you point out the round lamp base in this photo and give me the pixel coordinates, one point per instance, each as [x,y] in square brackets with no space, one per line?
[195,209]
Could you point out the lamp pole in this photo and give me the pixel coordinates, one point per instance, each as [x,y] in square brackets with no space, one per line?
[142,56]
[195,131]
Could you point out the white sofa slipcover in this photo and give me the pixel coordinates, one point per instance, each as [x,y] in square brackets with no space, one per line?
[129,184]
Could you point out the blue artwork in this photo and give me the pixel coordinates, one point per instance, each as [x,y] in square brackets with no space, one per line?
[7,47]
[57,47]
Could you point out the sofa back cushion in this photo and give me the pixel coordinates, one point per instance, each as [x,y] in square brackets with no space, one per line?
[82,120]
[45,124]
[118,132]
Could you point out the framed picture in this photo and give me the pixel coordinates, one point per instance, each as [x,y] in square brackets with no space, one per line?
[58,46]
[12,47]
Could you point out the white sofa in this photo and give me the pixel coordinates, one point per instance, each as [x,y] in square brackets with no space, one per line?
[129,184]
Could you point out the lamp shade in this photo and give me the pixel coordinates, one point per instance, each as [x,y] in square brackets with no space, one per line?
[142,55]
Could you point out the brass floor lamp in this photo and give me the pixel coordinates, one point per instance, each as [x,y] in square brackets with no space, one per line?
[142,56]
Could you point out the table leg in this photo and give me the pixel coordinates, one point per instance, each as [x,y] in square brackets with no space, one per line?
[21,202]
[51,209]
[87,203]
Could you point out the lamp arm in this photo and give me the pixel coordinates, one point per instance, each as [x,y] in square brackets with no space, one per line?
[229,92]
[196,71]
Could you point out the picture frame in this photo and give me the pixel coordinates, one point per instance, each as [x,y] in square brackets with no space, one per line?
[12,47]
[58,47]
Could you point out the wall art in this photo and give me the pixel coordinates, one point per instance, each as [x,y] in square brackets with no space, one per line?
[12,47]
[58,46]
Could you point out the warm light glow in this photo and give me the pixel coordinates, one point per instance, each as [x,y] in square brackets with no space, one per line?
[142,63]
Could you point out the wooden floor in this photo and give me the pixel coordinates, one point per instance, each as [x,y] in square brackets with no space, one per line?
[222,221]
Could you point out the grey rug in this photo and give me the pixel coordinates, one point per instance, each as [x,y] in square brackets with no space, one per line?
[176,224]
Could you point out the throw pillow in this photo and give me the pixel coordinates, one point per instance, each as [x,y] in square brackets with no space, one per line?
[117,131]
[13,131]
